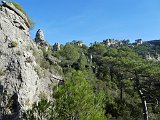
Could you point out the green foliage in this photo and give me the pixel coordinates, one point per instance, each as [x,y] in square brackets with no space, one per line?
[40,111]
[98,49]
[82,61]
[46,51]
[38,55]
[119,72]
[70,52]
[76,99]
[56,69]
[2,72]
[73,100]
[44,64]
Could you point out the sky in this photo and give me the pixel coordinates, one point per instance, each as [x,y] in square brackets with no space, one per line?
[94,20]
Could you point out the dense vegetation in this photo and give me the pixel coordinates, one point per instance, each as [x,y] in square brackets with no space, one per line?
[114,83]
[100,82]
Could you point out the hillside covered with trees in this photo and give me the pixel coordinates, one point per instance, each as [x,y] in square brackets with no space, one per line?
[109,80]
[103,82]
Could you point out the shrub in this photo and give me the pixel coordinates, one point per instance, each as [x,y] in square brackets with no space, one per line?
[14,44]
[45,64]
[56,69]
[38,55]
[2,72]
[40,59]
[46,52]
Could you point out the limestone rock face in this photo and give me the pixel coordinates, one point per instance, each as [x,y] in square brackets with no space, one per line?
[20,82]
[19,13]
[40,38]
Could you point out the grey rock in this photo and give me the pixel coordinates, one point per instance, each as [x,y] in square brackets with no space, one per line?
[56,47]
[40,38]
[52,59]
[10,17]
[21,84]
[13,8]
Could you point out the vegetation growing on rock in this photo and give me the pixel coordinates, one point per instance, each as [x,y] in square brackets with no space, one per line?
[19,7]
[14,43]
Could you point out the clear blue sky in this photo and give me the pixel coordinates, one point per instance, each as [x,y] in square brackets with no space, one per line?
[94,20]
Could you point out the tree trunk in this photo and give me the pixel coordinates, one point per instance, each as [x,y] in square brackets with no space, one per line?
[121,78]
[121,96]
[144,103]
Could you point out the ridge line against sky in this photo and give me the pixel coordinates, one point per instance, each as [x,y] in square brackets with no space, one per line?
[94,20]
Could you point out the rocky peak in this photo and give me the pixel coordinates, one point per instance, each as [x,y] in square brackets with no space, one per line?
[40,38]
[56,47]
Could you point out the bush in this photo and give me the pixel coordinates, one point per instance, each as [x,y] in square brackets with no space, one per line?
[56,69]
[40,59]
[38,55]
[2,72]
[45,64]
[14,44]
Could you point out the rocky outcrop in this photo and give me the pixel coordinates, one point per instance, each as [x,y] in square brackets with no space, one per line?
[56,47]
[152,57]
[40,38]
[19,13]
[52,59]
[20,82]
[8,15]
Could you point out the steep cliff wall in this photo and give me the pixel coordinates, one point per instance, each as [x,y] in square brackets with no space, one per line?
[20,83]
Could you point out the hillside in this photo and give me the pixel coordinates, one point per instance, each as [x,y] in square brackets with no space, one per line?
[109,80]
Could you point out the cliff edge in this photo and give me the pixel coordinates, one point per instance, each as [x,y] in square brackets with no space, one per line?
[22,79]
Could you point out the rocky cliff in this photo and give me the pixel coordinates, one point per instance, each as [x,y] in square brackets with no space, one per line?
[22,79]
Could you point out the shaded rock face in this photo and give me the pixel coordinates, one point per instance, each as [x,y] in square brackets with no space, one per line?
[20,83]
